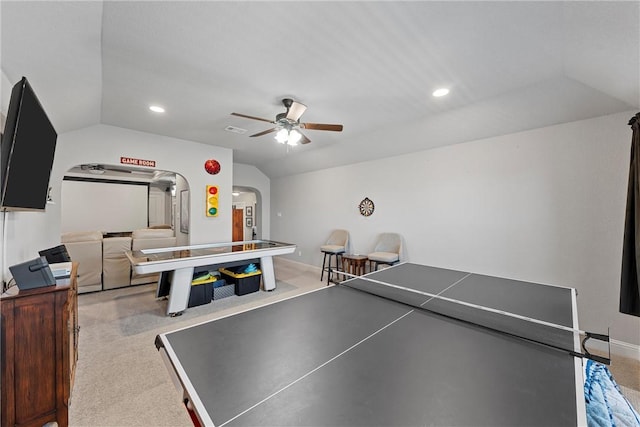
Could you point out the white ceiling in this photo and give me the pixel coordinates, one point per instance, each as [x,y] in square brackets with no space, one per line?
[370,66]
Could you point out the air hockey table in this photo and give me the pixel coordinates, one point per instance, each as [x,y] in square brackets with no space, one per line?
[177,265]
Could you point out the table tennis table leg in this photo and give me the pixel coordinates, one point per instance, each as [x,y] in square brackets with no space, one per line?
[268,274]
[180,290]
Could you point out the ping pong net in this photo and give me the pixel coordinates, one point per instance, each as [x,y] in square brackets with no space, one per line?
[538,331]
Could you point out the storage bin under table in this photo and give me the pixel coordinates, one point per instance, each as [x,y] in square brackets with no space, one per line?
[200,294]
[221,289]
[245,283]
[210,289]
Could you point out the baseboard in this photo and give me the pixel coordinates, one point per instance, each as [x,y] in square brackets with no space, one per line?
[90,288]
[625,349]
[618,348]
[298,264]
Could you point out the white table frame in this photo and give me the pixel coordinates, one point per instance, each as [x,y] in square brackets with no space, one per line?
[181,269]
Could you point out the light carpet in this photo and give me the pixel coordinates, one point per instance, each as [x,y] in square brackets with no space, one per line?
[120,377]
[633,396]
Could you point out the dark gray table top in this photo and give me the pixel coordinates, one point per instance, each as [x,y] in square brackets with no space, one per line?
[340,356]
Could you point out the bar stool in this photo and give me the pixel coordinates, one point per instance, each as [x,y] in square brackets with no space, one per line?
[388,250]
[336,245]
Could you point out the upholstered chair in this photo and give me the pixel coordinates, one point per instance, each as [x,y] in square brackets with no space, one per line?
[387,251]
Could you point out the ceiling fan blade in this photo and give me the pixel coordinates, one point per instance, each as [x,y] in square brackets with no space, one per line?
[321,126]
[295,111]
[304,139]
[264,132]
[251,117]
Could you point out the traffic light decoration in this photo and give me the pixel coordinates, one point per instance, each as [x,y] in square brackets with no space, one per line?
[212,200]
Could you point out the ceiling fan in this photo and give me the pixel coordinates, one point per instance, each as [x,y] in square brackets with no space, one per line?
[288,124]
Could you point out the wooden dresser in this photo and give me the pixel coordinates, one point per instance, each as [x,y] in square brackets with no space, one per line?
[39,345]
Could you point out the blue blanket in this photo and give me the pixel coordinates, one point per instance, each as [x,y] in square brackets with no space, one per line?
[606,405]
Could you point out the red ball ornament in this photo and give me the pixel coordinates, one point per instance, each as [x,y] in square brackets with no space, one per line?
[212,166]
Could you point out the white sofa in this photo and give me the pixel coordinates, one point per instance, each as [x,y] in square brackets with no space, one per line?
[102,263]
[116,268]
[85,248]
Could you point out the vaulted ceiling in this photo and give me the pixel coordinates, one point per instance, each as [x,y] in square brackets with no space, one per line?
[371,66]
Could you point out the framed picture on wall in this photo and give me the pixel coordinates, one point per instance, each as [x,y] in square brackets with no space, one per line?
[249,222]
[184,211]
[248,212]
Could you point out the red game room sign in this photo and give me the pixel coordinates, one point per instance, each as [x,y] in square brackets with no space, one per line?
[137,162]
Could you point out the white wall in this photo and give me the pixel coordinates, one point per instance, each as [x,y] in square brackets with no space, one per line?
[103,206]
[5,88]
[546,205]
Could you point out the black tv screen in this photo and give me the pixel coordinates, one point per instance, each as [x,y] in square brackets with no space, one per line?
[27,151]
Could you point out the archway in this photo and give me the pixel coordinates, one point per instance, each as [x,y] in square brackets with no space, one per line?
[247,213]
[119,199]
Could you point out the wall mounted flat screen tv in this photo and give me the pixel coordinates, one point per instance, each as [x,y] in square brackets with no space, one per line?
[26,152]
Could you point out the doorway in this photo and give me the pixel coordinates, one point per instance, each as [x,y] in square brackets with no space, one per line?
[160,203]
[238,225]
[247,218]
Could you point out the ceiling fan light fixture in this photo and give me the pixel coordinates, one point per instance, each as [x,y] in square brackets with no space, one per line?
[282,136]
[294,137]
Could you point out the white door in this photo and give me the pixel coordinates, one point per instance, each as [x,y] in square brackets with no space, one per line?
[157,207]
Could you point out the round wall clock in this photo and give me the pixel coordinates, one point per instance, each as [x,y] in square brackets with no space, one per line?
[366,207]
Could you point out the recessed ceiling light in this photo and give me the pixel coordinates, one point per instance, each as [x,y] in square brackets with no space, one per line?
[440,92]
[156,109]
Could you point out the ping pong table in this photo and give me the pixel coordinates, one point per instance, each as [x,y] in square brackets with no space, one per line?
[342,356]
[177,265]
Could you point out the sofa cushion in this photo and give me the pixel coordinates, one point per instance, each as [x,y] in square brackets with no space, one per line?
[85,248]
[333,249]
[116,268]
[387,257]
